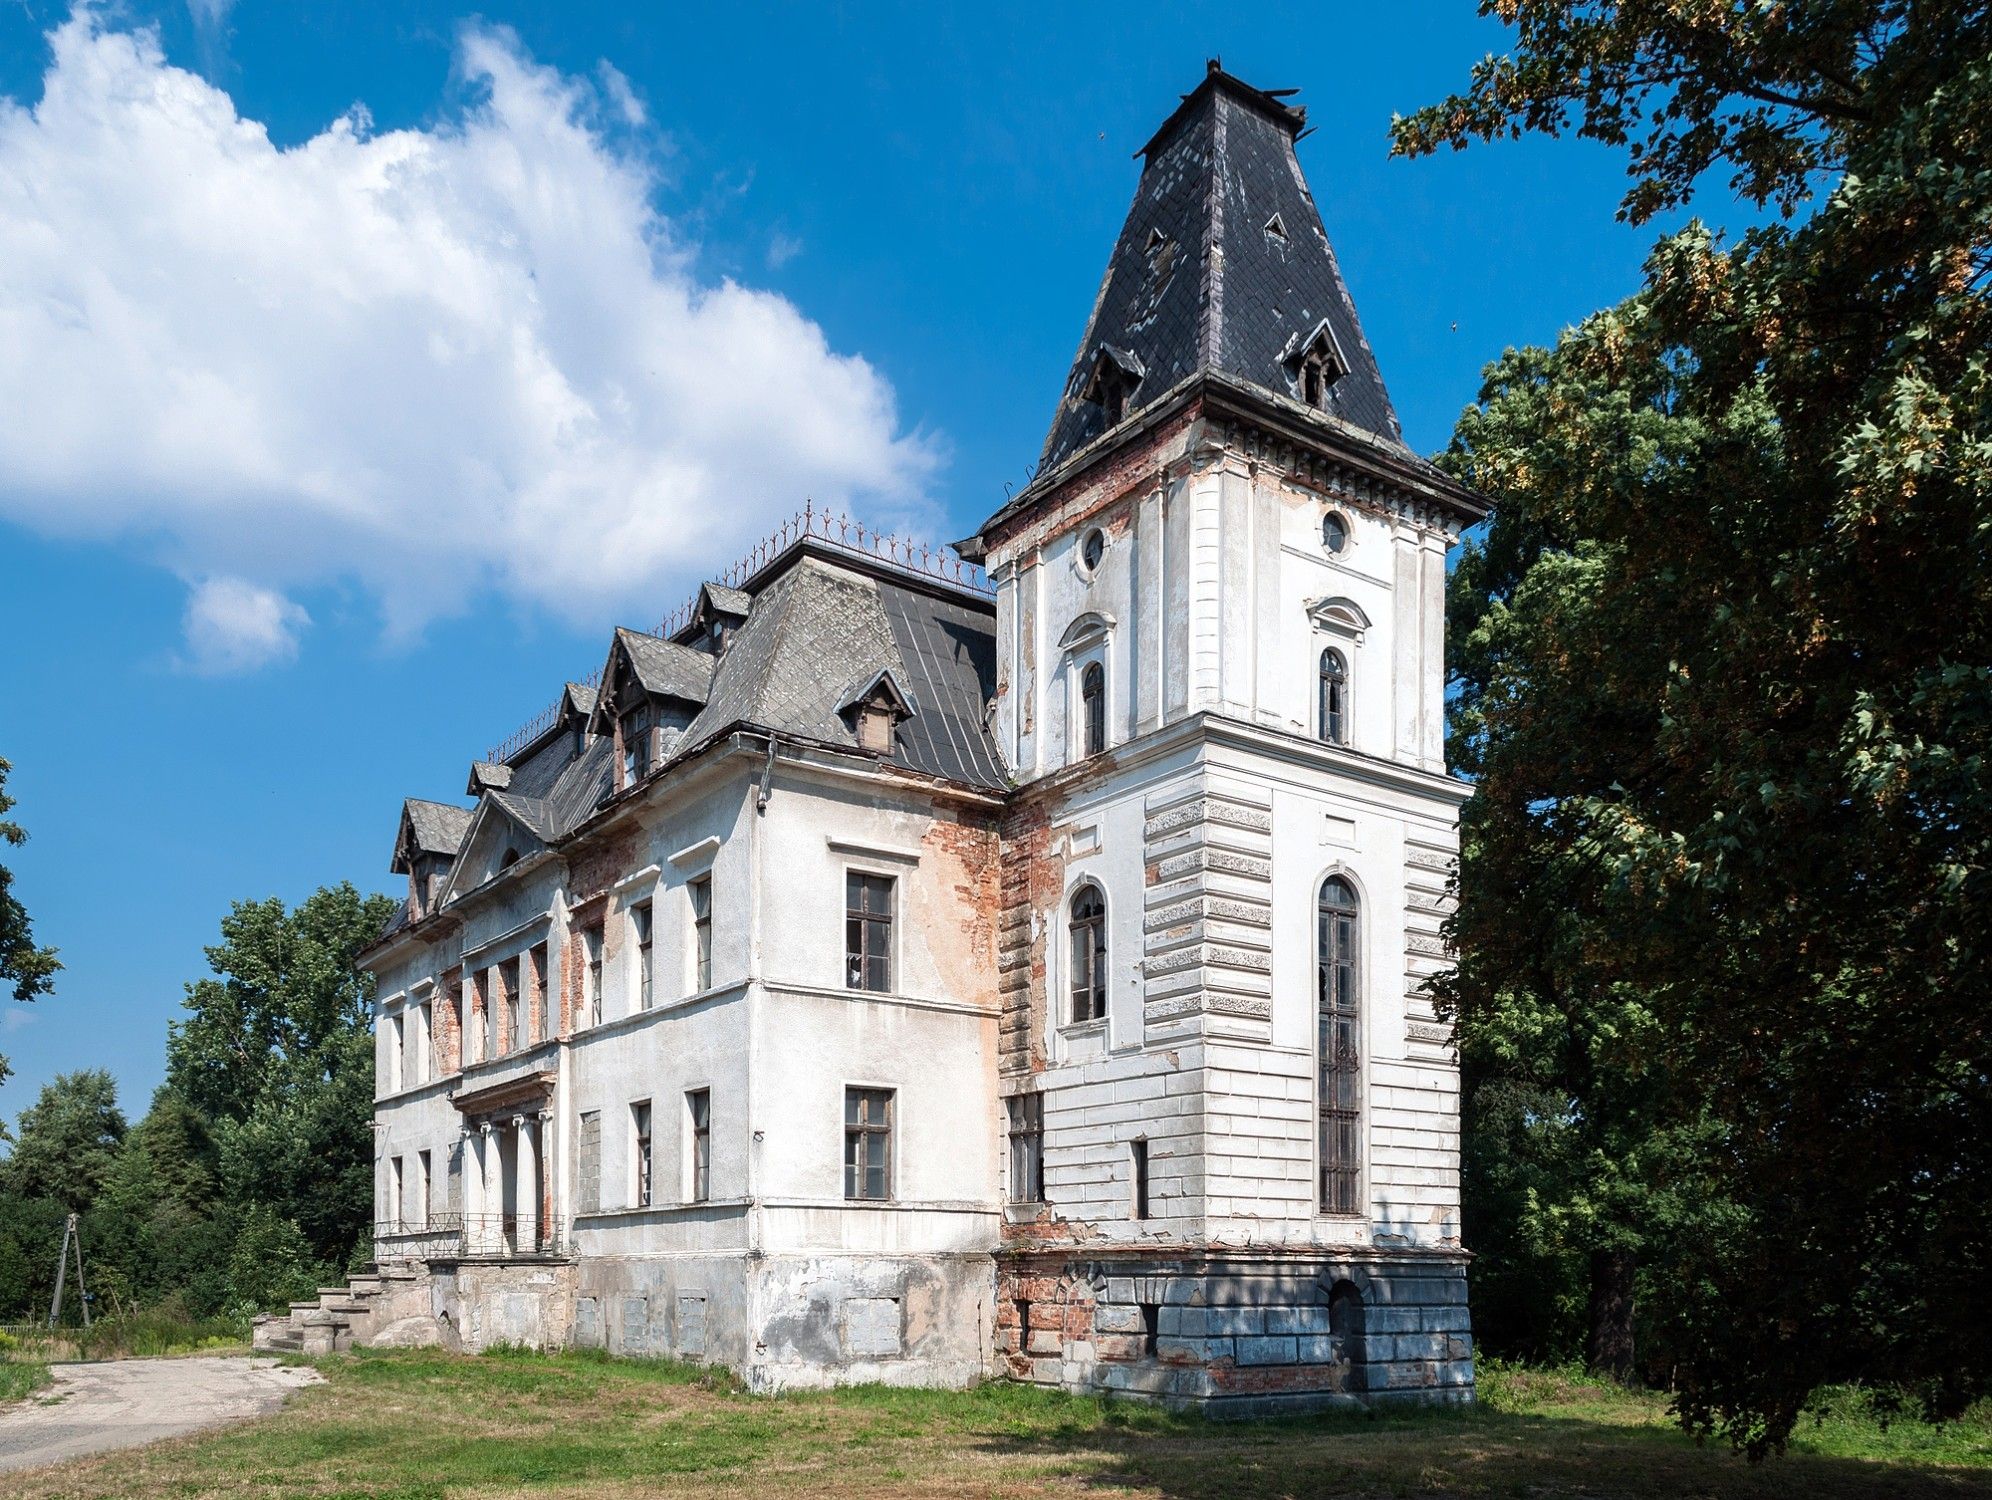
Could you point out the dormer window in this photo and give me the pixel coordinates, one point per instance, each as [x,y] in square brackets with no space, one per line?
[1115,375]
[638,735]
[874,711]
[1316,364]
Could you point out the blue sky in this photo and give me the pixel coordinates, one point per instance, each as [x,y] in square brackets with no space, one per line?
[291,526]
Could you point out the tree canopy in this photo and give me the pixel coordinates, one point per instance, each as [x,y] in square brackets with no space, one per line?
[1723,672]
[28,969]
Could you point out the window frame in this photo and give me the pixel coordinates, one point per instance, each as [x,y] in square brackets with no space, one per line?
[864,1130]
[591,974]
[1092,707]
[876,934]
[1093,994]
[643,934]
[642,1153]
[1339,1094]
[511,977]
[1140,1207]
[698,1145]
[1331,705]
[1024,1116]
[701,929]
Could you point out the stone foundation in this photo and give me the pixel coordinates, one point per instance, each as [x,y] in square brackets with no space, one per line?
[1239,1335]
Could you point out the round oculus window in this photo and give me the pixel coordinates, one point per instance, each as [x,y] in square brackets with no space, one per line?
[1092,549]
[1334,531]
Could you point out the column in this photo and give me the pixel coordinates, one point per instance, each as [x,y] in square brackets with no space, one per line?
[491,1221]
[473,1187]
[525,1182]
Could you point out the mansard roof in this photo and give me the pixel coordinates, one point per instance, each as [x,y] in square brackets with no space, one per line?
[1223,265]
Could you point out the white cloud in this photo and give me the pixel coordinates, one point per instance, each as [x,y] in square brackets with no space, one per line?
[782,248]
[439,362]
[232,625]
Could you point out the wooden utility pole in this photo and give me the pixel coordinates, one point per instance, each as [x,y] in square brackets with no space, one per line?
[69,1237]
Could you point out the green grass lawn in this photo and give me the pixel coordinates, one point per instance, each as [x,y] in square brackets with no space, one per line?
[409,1424]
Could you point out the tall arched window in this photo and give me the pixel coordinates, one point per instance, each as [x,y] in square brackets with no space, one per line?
[1089,953]
[1340,1048]
[1334,697]
[1093,706]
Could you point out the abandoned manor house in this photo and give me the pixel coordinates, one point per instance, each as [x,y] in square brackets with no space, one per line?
[879,975]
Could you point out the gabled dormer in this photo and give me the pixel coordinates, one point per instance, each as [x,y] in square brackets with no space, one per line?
[874,709]
[716,614]
[1115,375]
[1315,365]
[425,846]
[651,689]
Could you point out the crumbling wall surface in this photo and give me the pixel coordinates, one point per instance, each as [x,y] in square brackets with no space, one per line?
[490,1304]
[1241,1336]
[898,1320]
[679,1307]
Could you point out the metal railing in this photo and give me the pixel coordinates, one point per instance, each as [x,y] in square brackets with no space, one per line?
[472,1237]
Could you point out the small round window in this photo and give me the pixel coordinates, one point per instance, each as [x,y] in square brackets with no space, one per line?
[1092,549]
[1335,531]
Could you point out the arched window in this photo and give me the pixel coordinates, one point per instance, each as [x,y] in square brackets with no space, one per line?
[1334,710]
[1340,1048]
[1345,1328]
[1093,706]
[1089,953]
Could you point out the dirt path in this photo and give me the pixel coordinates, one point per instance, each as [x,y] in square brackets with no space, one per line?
[94,1407]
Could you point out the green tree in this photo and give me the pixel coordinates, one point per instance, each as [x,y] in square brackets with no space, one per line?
[1723,680]
[30,970]
[276,1053]
[66,1141]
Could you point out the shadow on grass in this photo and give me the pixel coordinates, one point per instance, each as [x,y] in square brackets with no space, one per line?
[1477,1452]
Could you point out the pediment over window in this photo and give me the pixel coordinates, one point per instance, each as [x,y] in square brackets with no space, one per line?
[1339,616]
[1087,630]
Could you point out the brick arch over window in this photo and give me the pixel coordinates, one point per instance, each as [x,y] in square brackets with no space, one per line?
[1338,939]
[1086,929]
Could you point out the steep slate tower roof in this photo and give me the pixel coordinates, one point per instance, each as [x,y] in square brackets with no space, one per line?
[1222,265]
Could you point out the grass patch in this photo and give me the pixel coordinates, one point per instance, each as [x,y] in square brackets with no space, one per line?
[21,1377]
[420,1423]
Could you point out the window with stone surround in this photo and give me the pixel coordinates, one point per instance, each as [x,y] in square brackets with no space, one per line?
[868,1144]
[424,1186]
[536,1018]
[640,1160]
[1333,710]
[514,1034]
[1087,931]
[700,892]
[591,976]
[1026,1118]
[588,1163]
[868,931]
[1339,1044]
[1138,1206]
[698,1135]
[397,1043]
[1093,707]
[639,922]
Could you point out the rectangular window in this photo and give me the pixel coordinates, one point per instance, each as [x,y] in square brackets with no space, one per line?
[591,997]
[453,1189]
[394,1192]
[453,1007]
[868,932]
[514,1036]
[425,1184]
[1151,1326]
[639,919]
[639,1120]
[698,1121]
[868,1143]
[700,891]
[1026,1147]
[536,1027]
[1140,1204]
[397,1042]
[420,1046]
[588,1164]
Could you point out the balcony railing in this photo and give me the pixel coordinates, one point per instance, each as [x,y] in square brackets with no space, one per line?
[472,1237]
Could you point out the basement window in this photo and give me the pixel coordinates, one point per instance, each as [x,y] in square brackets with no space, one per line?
[1151,1326]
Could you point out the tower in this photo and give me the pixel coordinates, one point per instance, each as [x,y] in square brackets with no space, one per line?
[1233,1114]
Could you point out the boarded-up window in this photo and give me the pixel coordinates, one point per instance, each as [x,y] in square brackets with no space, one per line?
[872,1327]
[588,1167]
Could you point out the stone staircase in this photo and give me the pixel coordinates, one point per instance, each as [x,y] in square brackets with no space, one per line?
[384,1305]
